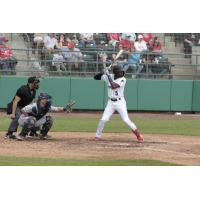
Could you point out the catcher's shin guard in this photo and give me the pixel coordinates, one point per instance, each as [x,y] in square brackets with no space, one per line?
[46,126]
[28,125]
[33,132]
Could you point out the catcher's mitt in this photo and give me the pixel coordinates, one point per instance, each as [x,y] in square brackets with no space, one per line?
[69,106]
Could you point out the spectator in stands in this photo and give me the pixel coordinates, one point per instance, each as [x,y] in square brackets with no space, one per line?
[134,62]
[7,59]
[58,61]
[38,46]
[127,43]
[64,51]
[62,41]
[31,37]
[156,48]
[50,44]
[113,38]
[87,38]
[38,41]
[102,52]
[75,39]
[50,41]
[188,43]
[196,38]
[141,47]
[38,37]
[73,55]
[146,37]
[132,36]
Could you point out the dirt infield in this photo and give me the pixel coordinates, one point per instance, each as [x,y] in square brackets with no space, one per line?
[183,150]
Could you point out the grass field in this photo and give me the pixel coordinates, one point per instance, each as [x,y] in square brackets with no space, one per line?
[168,124]
[178,126]
[16,161]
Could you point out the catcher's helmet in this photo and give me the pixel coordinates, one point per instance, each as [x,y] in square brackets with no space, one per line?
[44,96]
[118,68]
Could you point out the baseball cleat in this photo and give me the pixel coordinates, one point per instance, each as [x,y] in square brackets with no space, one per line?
[139,137]
[42,137]
[97,138]
[48,137]
[33,134]
[20,137]
[10,136]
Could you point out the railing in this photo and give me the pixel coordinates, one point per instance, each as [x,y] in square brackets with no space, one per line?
[178,66]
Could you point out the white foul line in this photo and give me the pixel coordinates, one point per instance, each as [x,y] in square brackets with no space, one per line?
[167,151]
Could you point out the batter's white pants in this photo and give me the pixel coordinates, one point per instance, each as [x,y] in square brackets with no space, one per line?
[23,119]
[112,106]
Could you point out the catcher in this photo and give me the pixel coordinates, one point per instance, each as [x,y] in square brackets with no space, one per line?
[34,116]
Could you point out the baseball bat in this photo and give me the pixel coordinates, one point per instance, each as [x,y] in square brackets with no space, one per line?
[116,58]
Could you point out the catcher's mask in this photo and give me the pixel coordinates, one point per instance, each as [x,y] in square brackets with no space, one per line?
[35,81]
[45,96]
[118,70]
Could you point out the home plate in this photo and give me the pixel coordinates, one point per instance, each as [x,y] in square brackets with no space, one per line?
[118,144]
[121,144]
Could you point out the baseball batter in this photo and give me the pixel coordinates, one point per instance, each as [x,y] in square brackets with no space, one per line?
[116,102]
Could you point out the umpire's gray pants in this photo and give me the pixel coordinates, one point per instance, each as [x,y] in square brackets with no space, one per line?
[24,119]
[14,123]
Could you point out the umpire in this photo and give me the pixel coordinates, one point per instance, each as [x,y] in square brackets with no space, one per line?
[24,96]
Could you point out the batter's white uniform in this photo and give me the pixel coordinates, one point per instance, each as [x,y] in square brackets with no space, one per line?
[116,102]
[28,109]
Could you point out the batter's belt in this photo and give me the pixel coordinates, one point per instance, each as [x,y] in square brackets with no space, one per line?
[115,99]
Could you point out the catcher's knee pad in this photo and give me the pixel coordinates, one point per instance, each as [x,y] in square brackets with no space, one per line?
[28,125]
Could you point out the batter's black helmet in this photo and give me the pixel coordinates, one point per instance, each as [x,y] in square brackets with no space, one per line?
[118,68]
[44,96]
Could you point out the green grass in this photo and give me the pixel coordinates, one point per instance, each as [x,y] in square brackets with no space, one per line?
[160,126]
[74,123]
[22,161]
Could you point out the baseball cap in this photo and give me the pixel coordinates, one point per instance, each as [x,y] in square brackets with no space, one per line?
[140,37]
[33,79]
